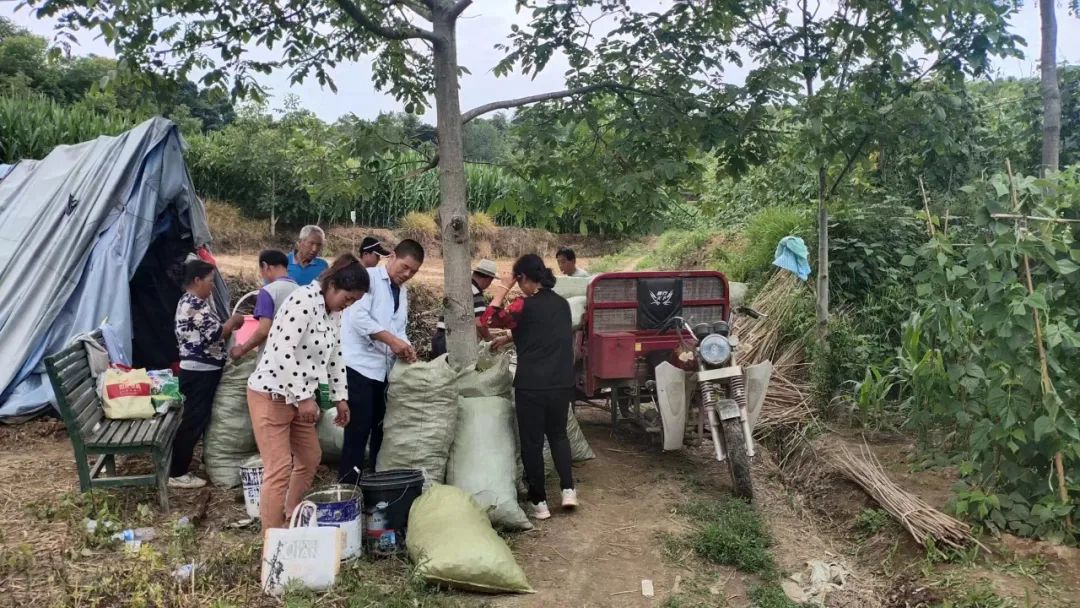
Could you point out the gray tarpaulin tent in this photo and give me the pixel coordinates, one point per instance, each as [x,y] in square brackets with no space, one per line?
[94,231]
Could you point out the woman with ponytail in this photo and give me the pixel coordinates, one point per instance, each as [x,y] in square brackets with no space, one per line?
[302,351]
[544,383]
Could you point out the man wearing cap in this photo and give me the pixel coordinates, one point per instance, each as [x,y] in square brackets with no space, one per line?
[372,252]
[482,277]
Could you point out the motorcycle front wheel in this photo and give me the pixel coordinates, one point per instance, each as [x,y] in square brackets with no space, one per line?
[737,459]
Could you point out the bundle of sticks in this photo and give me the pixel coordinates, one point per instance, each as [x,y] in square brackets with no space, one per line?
[769,339]
[922,521]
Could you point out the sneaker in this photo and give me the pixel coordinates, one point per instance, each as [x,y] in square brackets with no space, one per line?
[187,481]
[569,499]
[540,510]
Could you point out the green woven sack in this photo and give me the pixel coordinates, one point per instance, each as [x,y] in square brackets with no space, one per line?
[453,544]
[421,417]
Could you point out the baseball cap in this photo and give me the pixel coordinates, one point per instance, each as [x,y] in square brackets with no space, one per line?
[371,244]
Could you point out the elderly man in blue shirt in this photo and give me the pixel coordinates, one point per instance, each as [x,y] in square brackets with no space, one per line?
[372,339]
[305,265]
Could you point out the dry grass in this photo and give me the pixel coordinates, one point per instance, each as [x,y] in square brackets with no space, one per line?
[233,232]
[422,228]
[787,401]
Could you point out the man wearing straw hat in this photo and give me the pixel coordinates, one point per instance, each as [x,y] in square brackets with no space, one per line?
[483,275]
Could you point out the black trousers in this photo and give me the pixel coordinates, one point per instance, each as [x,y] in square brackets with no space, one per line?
[367,408]
[542,413]
[438,343]
[198,389]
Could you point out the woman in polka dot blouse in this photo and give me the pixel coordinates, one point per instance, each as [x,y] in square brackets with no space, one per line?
[302,351]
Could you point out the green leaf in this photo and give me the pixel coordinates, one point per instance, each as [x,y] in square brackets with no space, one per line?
[1067,266]
[1043,426]
[907,260]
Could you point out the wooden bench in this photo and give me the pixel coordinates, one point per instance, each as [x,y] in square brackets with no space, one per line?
[95,436]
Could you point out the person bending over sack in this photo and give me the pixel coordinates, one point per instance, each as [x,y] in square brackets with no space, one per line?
[302,351]
[544,382]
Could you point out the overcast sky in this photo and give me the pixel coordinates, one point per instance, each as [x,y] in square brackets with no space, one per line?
[486,23]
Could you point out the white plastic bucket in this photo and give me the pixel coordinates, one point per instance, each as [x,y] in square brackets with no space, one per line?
[251,474]
[340,506]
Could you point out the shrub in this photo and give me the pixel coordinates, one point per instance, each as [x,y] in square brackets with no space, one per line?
[763,232]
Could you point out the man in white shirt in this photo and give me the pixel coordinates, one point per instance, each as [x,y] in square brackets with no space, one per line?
[567,261]
[372,339]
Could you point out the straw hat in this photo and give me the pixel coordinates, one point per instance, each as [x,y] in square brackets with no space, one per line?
[486,268]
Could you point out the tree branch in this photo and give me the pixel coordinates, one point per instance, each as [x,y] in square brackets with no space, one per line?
[402,32]
[531,99]
[458,8]
[419,8]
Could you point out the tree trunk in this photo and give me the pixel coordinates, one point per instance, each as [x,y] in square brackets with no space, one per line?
[822,305]
[273,207]
[1051,94]
[453,214]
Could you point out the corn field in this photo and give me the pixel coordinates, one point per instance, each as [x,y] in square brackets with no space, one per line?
[31,126]
[397,193]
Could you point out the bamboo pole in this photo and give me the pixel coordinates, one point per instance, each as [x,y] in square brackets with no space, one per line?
[1044,368]
[926,206]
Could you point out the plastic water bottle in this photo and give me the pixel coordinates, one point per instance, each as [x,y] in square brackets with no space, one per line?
[184,572]
[139,534]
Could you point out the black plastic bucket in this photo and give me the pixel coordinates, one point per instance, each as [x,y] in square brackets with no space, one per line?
[388,496]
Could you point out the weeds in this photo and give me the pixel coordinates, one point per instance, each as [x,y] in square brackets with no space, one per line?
[732,534]
[871,521]
[617,261]
[770,595]
[982,595]
[679,250]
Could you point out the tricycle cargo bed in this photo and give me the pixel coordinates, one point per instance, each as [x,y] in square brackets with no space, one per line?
[620,341]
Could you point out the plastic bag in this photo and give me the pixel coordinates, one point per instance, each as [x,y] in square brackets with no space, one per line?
[577,310]
[331,437]
[421,416]
[484,457]
[452,543]
[126,394]
[307,555]
[164,386]
[229,439]
[569,287]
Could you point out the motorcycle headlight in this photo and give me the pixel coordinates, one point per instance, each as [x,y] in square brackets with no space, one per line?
[715,349]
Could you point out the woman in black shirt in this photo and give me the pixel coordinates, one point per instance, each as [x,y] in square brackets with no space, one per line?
[544,383]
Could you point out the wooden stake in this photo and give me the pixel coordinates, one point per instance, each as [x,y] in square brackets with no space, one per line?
[926,206]
[1044,368]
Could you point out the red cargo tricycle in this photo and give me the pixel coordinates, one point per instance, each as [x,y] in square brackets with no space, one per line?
[658,346]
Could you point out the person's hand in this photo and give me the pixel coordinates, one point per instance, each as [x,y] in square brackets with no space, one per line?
[235,321]
[343,413]
[500,342]
[508,280]
[237,351]
[403,350]
[307,411]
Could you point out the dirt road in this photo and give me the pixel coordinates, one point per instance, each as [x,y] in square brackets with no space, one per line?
[599,554]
